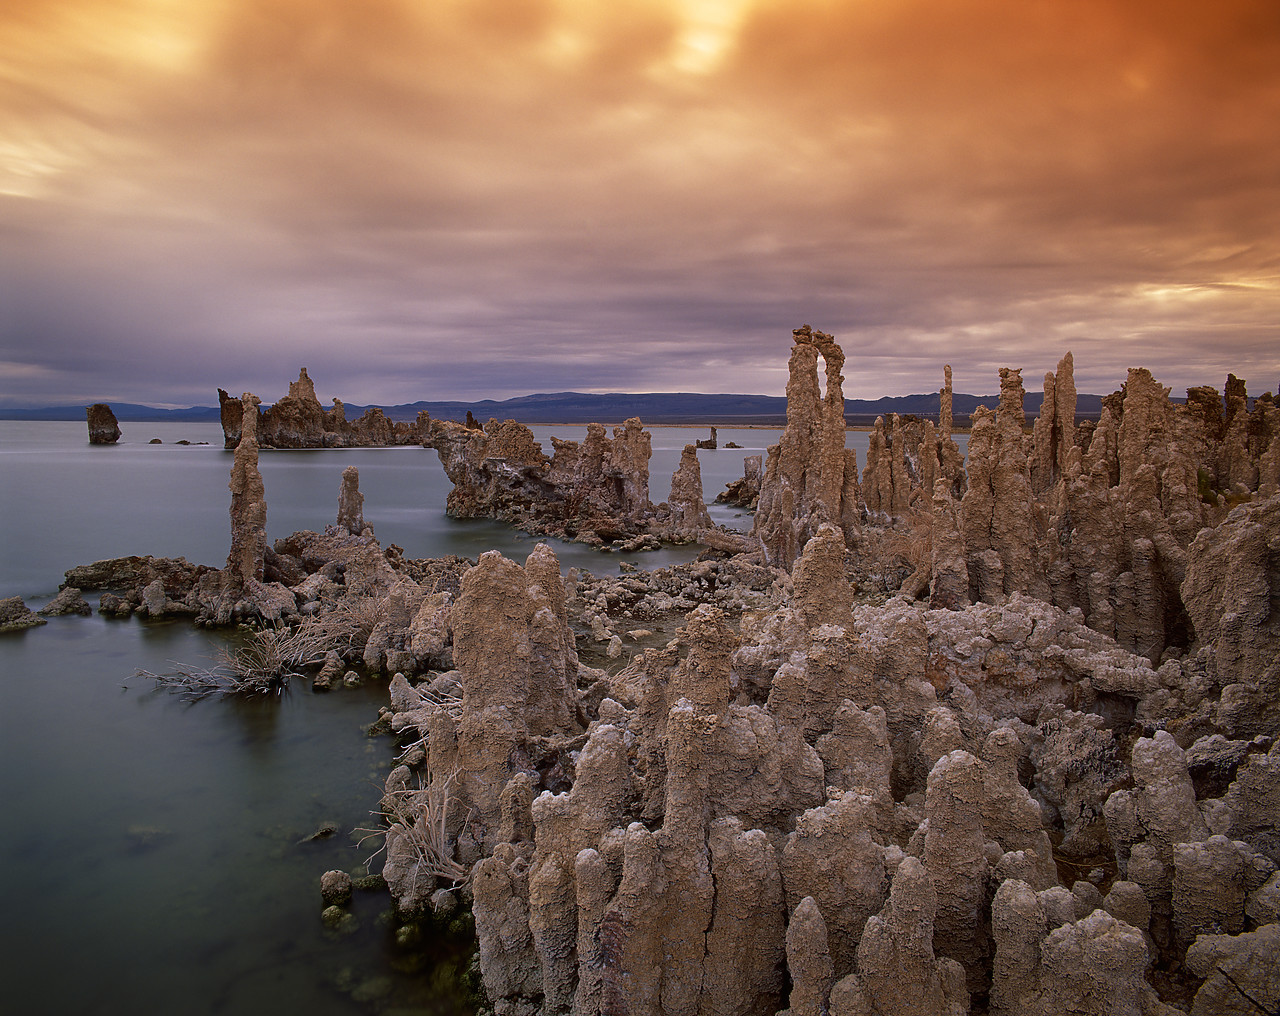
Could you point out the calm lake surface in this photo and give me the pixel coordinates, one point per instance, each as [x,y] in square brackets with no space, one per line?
[157,853]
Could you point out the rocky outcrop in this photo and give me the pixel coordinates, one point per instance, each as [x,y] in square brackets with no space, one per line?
[745,491]
[299,421]
[948,566]
[239,591]
[796,796]
[15,615]
[1241,976]
[1231,591]
[809,476]
[1098,517]
[595,491]
[687,508]
[248,504]
[351,502]
[997,513]
[1053,435]
[69,600]
[300,575]
[1122,520]
[887,479]
[508,736]
[898,971]
[1090,965]
[103,428]
[832,798]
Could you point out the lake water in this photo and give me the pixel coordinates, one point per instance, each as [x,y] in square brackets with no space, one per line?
[156,853]
[65,502]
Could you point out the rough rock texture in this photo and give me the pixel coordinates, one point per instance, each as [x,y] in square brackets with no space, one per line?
[831,859]
[744,492]
[812,973]
[68,601]
[241,590]
[809,475]
[517,672]
[1147,822]
[103,428]
[796,795]
[248,505]
[299,421]
[1232,595]
[596,491]
[898,972]
[135,573]
[351,502]
[1098,517]
[754,808]
[949,571]
[953,853]
[1242,977]
[886,479]
[1010,815]
[1093,965]
[15,615]
[952,462]
[305,573]
[1053,434]
[688,508]
[997,511]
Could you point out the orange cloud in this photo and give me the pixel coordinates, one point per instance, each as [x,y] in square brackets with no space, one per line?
[991,178]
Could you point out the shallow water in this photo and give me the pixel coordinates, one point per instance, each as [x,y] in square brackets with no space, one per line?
[65,502]
[156,853]
[152,848]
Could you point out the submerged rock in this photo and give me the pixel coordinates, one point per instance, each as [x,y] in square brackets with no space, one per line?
[69,600]
[335,888]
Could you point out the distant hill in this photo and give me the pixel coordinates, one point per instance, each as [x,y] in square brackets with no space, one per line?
[688,408]
[126,412]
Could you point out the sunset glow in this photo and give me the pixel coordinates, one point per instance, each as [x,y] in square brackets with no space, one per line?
[475,198]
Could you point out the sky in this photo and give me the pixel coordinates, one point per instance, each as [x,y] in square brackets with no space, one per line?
[434,199]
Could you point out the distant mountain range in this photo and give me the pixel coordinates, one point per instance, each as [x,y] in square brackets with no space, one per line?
[688,408]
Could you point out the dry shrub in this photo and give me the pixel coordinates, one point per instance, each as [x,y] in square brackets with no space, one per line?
[264,659]
[420,816]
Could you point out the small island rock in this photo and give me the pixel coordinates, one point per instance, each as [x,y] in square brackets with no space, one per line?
[103,428]
[15,615]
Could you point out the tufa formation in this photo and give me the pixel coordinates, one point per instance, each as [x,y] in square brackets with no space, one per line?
[103,428]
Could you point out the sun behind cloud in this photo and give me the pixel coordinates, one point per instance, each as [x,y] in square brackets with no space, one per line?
[708,33]
[665,179]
